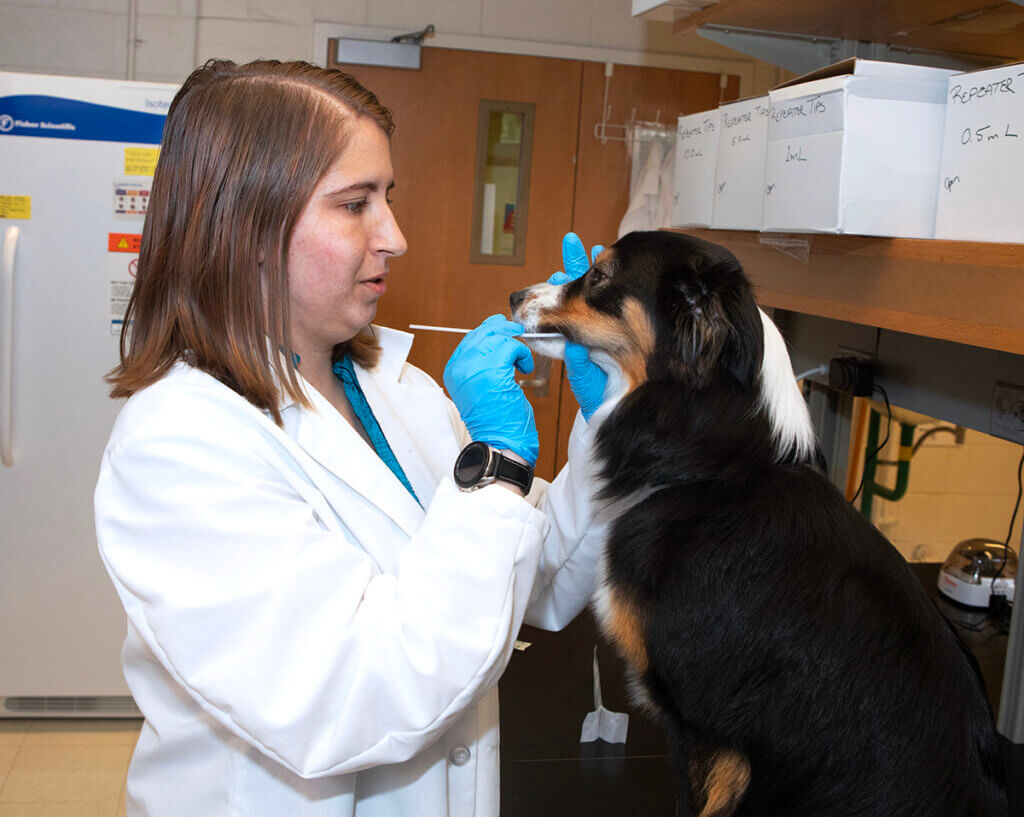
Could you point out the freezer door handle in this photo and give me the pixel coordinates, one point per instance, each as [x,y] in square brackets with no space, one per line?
[7,347]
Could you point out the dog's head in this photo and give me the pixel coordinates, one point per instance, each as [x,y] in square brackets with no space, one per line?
[659,306]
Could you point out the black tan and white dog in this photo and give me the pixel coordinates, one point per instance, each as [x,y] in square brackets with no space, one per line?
[798,665]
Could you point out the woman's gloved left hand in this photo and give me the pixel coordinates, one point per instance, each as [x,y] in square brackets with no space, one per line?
[586,379]
[480,377]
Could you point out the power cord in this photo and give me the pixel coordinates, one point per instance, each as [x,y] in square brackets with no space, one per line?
[867,459]
[1001,607]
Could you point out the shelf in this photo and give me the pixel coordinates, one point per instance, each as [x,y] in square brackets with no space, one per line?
[961,291]
[983,27]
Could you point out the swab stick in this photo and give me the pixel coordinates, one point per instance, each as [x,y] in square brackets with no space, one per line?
[464,331]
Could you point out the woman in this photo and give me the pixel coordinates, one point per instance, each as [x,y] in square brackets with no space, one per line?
[317,615]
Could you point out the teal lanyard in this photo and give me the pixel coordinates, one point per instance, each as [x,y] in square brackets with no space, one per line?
[347,375]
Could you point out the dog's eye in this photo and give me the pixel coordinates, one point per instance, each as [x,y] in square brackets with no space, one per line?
[595,276]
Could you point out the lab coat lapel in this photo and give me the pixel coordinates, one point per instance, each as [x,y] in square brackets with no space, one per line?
[413,415]
[415,421]
[333,443]
[418,426]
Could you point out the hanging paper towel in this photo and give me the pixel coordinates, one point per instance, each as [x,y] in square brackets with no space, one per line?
[603,724]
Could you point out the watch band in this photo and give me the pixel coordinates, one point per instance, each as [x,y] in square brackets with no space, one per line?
[514,469]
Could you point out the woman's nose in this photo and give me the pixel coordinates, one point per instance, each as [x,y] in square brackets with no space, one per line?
[392,241]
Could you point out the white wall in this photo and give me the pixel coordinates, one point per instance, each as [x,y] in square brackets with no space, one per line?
[955,492]
[90,37]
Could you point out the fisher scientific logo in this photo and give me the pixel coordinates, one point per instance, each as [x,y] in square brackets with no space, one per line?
[7,124]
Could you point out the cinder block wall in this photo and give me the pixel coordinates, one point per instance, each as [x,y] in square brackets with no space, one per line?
[90,37]
[955,492]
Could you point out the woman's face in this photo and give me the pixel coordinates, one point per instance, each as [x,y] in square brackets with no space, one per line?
[339,252]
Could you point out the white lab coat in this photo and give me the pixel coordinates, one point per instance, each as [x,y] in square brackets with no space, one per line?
[303,638]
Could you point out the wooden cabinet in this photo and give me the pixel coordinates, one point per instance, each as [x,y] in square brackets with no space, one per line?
[962,291]
[991,28]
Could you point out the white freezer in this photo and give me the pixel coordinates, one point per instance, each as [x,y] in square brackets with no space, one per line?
[75,159]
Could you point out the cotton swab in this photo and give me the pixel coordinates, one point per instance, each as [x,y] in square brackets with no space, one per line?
[464,331]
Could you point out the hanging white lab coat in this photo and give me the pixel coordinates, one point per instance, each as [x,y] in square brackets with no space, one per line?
[303,638]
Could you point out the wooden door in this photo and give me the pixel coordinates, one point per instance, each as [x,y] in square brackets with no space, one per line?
[434,154]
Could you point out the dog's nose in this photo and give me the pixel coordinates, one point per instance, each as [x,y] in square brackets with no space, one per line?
[516,298]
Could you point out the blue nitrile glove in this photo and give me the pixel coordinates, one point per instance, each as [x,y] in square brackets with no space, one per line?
[479,377]
[586,379]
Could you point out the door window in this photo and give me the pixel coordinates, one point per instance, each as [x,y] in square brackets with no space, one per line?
[502,187]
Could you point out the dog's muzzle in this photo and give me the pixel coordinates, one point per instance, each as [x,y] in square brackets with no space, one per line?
[529,305]
[528,308]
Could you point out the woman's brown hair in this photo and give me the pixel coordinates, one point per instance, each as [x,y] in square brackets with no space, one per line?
[243,148]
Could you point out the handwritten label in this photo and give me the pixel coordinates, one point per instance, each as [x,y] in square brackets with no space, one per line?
[798,156]
[963,95]
[686,132]
[696,153]
[810,107]
[988,133]
[982,171]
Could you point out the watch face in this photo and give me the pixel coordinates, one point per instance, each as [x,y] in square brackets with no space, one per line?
[471,464]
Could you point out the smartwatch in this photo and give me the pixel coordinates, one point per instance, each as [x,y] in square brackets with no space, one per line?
[478,464]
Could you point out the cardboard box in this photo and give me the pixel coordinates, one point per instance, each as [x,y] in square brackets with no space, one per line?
[739,174]
[856,148]
[696,161]
[981,184]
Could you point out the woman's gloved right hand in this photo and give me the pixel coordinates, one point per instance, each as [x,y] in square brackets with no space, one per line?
[480,378]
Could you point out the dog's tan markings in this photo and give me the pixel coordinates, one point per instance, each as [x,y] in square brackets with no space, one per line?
[629,339]
[605,256]
[727,780]
[641,331]
[626,628]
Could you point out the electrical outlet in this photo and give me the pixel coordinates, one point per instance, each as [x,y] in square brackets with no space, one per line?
[1008,412]
[847,351]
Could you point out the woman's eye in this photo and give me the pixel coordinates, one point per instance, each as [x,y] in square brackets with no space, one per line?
[356,207]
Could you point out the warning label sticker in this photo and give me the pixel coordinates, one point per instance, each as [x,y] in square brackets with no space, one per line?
[122,266]
[140,161]
[15,207]
[131,198]
[124,242]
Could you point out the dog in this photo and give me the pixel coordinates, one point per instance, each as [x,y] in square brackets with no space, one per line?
[798,666]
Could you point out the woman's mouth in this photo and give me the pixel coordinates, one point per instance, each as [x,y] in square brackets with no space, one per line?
[378,285]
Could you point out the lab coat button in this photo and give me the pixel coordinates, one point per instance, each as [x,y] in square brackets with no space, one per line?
[459,756]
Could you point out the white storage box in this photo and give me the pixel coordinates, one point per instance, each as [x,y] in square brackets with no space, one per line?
[856,148]
[739,175]
[981,186]
[696,154]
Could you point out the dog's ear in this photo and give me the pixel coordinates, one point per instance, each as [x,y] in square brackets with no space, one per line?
[716,326]
[699,331]
[744,348]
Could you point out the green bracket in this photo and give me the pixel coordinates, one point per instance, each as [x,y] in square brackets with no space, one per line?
[871,488]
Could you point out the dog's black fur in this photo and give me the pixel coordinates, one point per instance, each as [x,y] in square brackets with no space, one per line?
[798,665]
